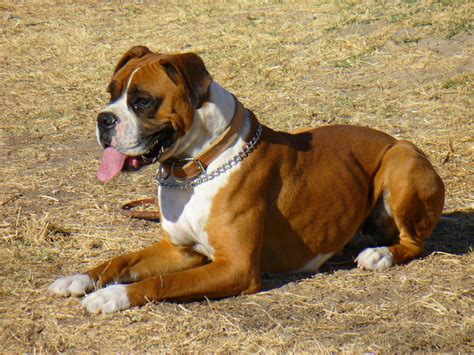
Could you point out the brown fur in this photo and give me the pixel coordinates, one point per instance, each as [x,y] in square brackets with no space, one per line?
[296,196]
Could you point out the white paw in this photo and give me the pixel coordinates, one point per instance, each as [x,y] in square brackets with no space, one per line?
[75,285]
[376,259]
[107,300]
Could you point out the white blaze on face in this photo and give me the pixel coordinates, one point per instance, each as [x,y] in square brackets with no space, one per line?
[127,138]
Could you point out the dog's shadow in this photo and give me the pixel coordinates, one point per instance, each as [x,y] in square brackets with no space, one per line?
[454,235]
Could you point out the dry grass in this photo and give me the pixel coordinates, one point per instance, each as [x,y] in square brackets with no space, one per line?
[402,67]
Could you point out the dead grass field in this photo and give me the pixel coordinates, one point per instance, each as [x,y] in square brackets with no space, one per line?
[405,67]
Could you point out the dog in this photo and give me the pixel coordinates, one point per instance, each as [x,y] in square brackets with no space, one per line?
[238,199]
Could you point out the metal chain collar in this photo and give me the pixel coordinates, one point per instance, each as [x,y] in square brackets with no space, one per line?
[246,150]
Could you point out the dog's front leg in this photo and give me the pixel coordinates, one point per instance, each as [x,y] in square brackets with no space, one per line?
[213,280]
[235,269]
[163,257]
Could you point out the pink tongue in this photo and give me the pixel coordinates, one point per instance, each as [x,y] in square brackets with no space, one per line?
[111,164]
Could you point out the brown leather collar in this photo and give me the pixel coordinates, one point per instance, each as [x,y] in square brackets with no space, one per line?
[189,168]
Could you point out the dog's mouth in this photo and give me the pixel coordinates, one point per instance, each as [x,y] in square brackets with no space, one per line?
[113,162]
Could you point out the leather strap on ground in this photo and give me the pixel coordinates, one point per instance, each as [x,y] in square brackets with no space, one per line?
[128,209]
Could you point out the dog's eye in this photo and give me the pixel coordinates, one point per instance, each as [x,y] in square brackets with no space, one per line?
[141,103]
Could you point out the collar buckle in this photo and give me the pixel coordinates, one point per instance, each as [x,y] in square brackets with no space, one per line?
[184,162]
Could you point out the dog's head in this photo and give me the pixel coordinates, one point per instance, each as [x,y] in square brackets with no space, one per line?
[153,97]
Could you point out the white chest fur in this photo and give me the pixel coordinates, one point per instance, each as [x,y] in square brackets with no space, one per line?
[185,213]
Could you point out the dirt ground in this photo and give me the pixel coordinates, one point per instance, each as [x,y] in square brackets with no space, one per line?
[404,67]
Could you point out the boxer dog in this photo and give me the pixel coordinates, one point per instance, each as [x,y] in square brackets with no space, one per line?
[238,198]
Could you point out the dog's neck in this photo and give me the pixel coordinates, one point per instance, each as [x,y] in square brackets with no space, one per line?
[210,120]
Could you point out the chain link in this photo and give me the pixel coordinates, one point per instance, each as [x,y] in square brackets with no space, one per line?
[246,150]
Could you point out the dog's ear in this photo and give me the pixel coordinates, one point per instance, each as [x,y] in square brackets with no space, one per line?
[189,69]
[134,52]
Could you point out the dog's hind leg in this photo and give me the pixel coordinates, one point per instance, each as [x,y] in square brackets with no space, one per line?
[413,198]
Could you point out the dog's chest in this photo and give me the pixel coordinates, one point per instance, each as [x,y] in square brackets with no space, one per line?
[185,213]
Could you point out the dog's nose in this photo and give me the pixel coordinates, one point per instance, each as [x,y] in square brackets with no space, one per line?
[106,120]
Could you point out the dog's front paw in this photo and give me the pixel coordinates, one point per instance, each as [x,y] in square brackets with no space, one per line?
[107,300]
[376,259]
[75,285]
